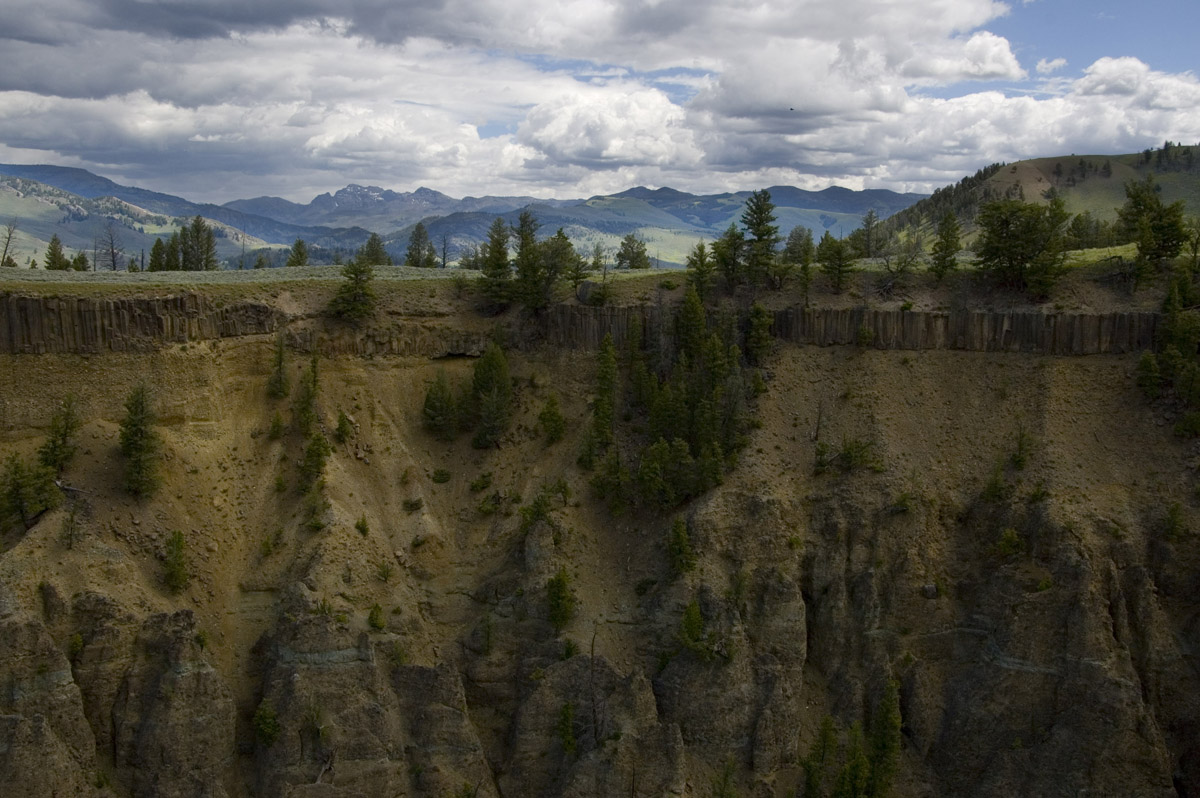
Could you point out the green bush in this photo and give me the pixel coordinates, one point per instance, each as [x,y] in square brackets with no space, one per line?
[344,428]
[679,548]
[481,482]
[312,466]
[275,432]
[375,618]
[1148,377]
[1010,543]
[551,419]
[412,505]
[362,526]
[566,728]
[175,575]
[441,476]
[266,724]
[560,599]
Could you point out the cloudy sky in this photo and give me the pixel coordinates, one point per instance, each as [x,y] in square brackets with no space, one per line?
[222,99]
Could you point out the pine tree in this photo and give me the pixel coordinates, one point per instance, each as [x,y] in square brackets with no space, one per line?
[304,407]
[762,233]
[299,254]
[491,391]
[158,256]
[140,444]
[758,337]
[945,249]
[854,779]
[421,253]
[632,253]
[277,383]
[56,259]
[373,252]
[551,419]
[836,260]
[728,253]
[604,408]
[496,279]
[885,742]
[355,297]
[440,411]
[700,270]
[312,465]
[60,447]
[800,251]
[691,324]
[26,491]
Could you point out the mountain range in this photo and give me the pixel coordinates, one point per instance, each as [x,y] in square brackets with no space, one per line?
[76,204]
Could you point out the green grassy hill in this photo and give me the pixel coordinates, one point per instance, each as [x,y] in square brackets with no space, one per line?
[1092,184]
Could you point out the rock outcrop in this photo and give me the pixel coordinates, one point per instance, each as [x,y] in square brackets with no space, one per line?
[41,325]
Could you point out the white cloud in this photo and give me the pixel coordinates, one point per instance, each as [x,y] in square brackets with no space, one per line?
[303,96]
[1045,67]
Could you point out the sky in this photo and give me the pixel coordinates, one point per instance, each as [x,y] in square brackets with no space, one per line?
[217,100]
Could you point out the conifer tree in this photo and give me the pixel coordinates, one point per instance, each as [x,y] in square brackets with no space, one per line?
[421,253]
[604,408]
[491,390]
[700,270]
[762,233]
[60,447]
[299,254]
[551,419]
[836,260]
[355,297]
[139,443]
[440,412]
[25,492]
[496,279]
[56,259]
[945,249]
[277,384]
[885,742]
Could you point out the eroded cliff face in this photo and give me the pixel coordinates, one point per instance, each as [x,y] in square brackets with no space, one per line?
[1040,619]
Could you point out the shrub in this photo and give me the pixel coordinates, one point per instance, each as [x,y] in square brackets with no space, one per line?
[275,432]
[854,454]
[1173,524]
[175,575]
[1010,543]
[375,618]
[266,724]
[560,599]
[312,466]
[315,507]
[344,428]
[481,482]
[554,426]
[362,526]
[566,728]
[679,548]
[1148,377]
[412,505]
[441,476]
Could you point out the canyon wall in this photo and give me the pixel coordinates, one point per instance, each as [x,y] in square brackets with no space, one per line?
[77,325]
